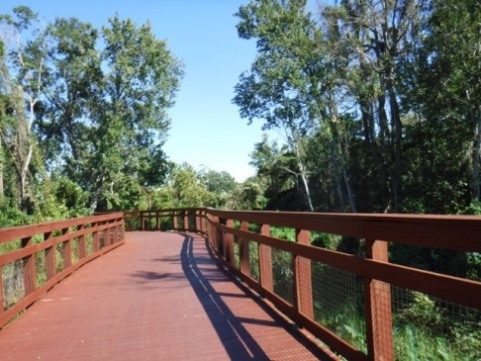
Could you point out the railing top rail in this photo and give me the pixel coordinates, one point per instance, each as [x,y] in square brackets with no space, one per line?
[14,233]
[461,233]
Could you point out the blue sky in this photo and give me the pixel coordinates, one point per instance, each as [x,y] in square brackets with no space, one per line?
[206,129]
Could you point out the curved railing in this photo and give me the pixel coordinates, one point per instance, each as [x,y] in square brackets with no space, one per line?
[353,298]
[36,257]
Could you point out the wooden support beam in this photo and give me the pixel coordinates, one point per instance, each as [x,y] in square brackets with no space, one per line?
[378,308]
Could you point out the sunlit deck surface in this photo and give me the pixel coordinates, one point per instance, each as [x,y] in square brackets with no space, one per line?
[161,296]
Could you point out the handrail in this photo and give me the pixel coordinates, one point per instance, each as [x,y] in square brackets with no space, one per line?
[253,255]
[46,253]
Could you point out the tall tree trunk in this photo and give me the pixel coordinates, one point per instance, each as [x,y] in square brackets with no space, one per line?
[397,129]
[385,152]
[303,174]
[347,183]
[476,187]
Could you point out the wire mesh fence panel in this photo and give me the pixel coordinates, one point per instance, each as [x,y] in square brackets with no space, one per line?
[102,239]
[166,223]
[13,284]
[74,244]
[132,223]
[180,222]
[59,261]
[236,253]
[254,259]
[282,274]
[428,328]
[338,301]
[40,269]
[191,220]
[89,243]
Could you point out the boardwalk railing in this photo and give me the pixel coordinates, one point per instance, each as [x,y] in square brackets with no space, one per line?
[355,300]
[34,258]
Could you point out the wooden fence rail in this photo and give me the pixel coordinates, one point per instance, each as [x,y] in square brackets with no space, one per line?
[42,255]
[244,243]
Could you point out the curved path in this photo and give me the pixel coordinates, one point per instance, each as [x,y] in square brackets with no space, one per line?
[159,297]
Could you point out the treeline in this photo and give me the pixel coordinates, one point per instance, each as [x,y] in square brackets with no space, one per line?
[82,115]
[379,103]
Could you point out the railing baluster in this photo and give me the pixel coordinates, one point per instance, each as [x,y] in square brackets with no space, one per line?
[265,261]
[303,277]
[378,307]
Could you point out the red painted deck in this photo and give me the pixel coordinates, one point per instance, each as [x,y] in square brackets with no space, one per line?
[159,297]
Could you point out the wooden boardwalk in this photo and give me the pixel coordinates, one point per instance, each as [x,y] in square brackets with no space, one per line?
[161,296]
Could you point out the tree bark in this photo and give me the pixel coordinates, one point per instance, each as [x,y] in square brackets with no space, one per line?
[476,189]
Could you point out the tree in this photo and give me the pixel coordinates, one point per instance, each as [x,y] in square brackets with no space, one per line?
[283,85]
[221,184]
[449,71]
[188,189]
[106,110]
[21,83]
[278,173]
[375,38]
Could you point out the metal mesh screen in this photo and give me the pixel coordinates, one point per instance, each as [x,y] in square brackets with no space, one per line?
[236,253]
[254,259]
[40,269]
[282,274]
[102,239]
[338,299]
[89,243]
[13,287]
[59,264]
[428,328]
[75,250]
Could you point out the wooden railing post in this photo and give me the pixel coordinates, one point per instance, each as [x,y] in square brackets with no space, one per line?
[229,243]
[29,274]
[141,220]
[244,263]
[378,308]
[82,249]
[303,278]
[219,236]
[186,220]
[67,251]
[50,257]
[265,261]
[212,233]
[175,220]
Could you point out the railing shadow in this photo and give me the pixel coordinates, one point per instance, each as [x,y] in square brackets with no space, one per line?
[239,344]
